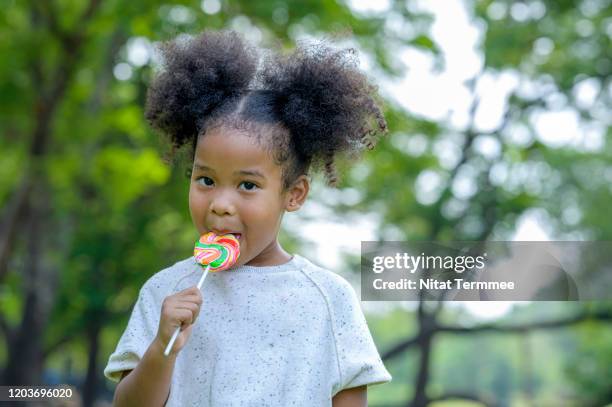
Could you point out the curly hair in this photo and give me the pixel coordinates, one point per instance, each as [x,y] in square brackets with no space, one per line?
[309,105]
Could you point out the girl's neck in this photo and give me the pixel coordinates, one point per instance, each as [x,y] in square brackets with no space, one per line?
[273,255]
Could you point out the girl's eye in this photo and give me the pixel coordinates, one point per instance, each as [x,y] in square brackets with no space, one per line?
[249,186]
[207,181]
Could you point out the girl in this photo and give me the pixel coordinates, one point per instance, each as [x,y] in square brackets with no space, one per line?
[275,330]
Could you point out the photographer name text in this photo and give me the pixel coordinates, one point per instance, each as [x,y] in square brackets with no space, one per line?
[433,284]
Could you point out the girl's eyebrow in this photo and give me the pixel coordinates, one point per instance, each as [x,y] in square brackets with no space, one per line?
[253,173]
[202,167]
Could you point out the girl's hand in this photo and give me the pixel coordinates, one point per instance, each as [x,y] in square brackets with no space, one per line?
[180,309]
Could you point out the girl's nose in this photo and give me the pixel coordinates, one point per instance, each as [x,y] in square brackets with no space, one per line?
[222,205]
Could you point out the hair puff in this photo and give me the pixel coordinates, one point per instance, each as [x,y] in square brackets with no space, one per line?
[197,76]
[326,103]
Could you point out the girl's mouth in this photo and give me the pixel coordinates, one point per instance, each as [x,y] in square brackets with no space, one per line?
[226,232]
[235,234]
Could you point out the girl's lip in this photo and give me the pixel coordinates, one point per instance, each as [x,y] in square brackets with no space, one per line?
[236,234]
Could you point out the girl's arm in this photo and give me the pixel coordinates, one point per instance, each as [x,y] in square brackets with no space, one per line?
[149,383]
[355,397]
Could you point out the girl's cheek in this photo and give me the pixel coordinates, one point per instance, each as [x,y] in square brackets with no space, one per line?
[192,193]
[196,197]
[198,208]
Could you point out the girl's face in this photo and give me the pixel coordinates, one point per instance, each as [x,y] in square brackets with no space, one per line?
[236,187]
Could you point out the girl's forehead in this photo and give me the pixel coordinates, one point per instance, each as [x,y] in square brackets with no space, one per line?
[228,149]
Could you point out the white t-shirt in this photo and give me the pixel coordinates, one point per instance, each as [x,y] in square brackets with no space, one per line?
[286,335]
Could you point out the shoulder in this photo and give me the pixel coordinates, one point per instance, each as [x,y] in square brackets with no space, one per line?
[333,286]
[166,280]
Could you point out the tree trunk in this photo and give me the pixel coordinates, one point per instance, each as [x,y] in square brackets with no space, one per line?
[527,371]
[91,379]
[13,215]
[25,359]
[427,329]
[420,388]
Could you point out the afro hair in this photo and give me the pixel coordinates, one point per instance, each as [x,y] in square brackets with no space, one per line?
[315,95]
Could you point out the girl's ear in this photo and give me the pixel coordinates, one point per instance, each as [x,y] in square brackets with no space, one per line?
[297,193]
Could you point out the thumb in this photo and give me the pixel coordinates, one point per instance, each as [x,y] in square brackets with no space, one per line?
[183,337]
[185,333]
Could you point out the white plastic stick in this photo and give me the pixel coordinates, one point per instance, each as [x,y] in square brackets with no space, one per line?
[178,328]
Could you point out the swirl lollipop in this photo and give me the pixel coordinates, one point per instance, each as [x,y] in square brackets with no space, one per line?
[216,253]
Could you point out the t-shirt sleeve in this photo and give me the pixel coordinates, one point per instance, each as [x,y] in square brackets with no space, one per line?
[358,359]
[138,335]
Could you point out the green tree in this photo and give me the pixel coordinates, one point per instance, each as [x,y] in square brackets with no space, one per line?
[89,209]
[555,50]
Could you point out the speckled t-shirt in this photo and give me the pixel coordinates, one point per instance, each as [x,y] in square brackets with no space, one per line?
[286,335]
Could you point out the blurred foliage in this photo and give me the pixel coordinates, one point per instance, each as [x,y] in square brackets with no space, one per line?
[119,213]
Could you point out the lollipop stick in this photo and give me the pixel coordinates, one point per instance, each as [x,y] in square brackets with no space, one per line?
[203,277]
[178,328]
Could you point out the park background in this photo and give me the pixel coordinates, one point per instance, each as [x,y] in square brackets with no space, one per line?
[499,117]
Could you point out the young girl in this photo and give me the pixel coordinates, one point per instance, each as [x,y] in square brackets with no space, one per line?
[275,329]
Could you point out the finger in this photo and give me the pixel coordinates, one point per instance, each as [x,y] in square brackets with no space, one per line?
[182,316]
[187,330]
[189,296]
[196,312]
[193,297]
[171,304]
[187,304]
[196,299]
[191,307]
[190,290]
